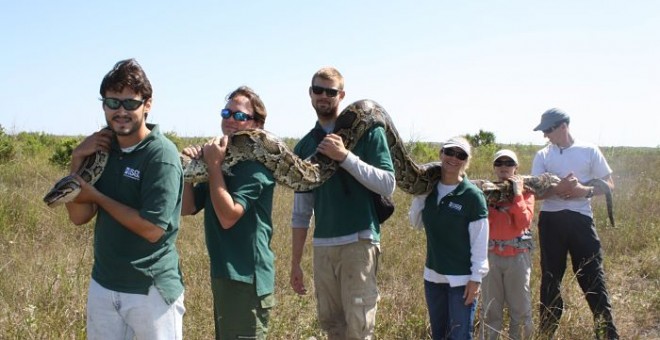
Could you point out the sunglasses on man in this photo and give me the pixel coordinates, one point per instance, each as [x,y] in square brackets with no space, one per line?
[553,128]
[239,116]
[453,153]
[328,91]
[128,104]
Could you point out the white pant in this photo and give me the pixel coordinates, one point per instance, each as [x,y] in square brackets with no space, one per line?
[113,315]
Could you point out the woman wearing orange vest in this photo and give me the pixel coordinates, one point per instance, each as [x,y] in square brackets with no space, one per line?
[509,245]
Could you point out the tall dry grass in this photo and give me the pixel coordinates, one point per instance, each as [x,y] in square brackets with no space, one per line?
[46,261]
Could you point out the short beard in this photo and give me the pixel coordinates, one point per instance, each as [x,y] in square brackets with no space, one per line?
[329,112]
[133,127]
[126,132]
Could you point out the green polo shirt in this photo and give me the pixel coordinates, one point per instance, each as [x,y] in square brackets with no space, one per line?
[447,227]
[242,253]
[150,180]
[343,206]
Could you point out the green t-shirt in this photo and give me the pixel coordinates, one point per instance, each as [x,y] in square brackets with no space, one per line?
[150,180]
[343,206]
[447,227]
[242,252]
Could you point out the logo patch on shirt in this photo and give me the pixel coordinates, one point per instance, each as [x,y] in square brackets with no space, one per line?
[455,206]
[132,173]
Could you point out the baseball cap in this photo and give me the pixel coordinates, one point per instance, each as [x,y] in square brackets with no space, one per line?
[506,153]
[458,142]
[551,118]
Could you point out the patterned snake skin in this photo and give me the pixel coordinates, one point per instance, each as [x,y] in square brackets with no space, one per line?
[67,188]
[307,174]
[356,119]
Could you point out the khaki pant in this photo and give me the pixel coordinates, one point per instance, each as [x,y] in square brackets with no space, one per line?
[507,284]
[346,290]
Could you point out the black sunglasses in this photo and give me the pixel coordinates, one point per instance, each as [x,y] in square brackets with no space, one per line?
[128,104]
[453,153]
[549,130]
[239,116]
[498,163]
[328,92]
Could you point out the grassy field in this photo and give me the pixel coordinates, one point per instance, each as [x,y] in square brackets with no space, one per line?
[46,260]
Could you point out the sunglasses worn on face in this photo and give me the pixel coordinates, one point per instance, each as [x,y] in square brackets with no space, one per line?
[328,92]
[239,116]
[453,153]
[499,163]
[549,130]
[128,104]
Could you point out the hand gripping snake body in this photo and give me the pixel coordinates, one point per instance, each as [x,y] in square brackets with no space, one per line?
[67,188]
[306,174]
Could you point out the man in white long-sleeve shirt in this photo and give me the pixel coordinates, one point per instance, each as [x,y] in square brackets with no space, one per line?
[347,233]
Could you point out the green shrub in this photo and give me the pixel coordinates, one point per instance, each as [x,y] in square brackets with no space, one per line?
[178,141]
[62,155]
[423,152]
[481,138]
[36,142]
[7,147]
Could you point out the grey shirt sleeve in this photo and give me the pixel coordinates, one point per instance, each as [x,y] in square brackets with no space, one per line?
[303,209]
[377,180]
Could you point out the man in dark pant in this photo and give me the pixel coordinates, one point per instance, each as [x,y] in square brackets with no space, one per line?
[566,223]
[567,232]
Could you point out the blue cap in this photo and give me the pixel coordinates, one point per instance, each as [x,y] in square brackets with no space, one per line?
[551,118]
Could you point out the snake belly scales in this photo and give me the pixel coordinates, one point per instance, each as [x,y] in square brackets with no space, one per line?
[306,174]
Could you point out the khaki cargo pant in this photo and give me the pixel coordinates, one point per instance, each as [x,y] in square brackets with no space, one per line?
[507,285]
[346,289]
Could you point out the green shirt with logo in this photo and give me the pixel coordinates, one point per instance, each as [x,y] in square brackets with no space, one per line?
[150,180]
[447,227]
[242,253]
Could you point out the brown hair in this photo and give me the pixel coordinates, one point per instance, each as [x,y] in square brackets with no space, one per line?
[329,73]
[127,73]
[258,107]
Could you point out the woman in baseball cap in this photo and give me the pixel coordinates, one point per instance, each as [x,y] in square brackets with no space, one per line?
[455,218]
[509,259]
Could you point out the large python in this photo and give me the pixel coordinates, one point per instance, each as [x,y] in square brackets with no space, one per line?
[356,119]
[306,174]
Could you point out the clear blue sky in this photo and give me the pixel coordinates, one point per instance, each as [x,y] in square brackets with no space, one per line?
[440,68]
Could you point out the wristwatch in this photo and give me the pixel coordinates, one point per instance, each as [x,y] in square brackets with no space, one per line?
[590,193]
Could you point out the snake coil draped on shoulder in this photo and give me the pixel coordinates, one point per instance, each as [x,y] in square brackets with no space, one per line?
[353,122]
[306,174]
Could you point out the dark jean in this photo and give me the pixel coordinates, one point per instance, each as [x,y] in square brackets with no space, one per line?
[568,232]
[450,317]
